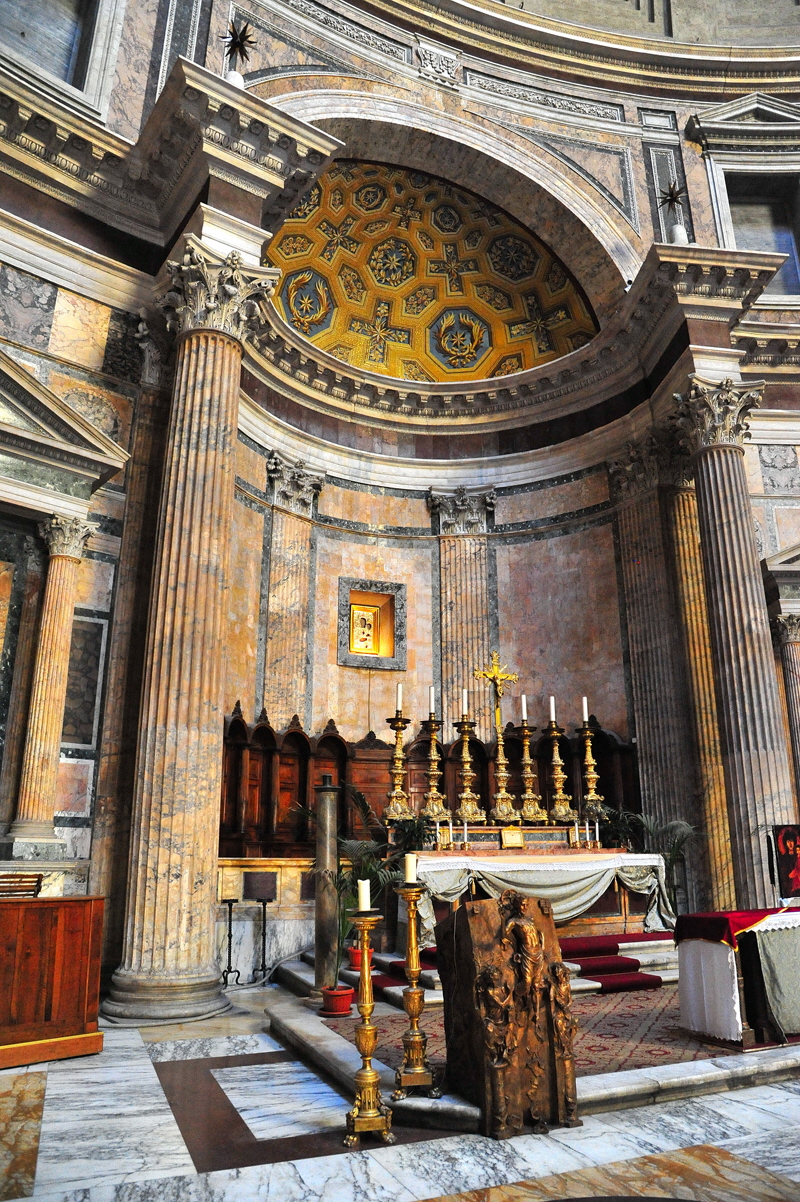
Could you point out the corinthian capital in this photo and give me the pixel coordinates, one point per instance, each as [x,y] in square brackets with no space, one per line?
[294,487]
[658,458]
[786,628]
[65,536]
[462,513]
[205,292]
[713,415]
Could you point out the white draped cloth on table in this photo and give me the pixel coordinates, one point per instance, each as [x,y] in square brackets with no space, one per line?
[572,884]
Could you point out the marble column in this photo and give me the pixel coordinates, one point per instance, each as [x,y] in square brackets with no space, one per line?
[787,629]
[31,835]
[168,968]
[712,420]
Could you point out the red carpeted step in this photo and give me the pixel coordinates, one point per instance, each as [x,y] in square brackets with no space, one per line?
[591,945]
[381,980]
[428,956]
[397,969]
[641,937]
[596,966]
[627,982]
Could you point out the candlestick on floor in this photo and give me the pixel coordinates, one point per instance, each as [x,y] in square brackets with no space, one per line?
[434,809]
[560,811]
[229,971]
[415,1071]
[468,809]
[370,1112]
[398,809]
[532,810]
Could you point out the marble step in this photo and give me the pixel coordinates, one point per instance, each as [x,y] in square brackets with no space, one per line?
[393,994]
[428,977]
[297,976]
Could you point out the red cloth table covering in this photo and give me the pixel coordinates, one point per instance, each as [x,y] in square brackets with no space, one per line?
[721,926]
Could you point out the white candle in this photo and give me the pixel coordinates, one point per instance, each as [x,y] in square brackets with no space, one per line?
[552,709]
[585,710]
[399,706]
[410,866]
[364,902]
[577,834]
[451,832]
[587,830]
[432,699]
[464,702]
[466,836]
[524,708]
[597,832]
[437,834]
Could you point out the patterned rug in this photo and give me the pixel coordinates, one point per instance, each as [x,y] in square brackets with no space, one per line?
[616,1031]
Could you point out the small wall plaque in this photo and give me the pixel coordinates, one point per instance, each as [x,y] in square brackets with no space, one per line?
[512,837]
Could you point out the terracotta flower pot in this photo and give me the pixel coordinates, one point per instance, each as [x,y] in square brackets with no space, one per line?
[337,1001]
[354,954]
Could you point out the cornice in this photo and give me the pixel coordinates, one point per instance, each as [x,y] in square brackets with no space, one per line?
[202,126]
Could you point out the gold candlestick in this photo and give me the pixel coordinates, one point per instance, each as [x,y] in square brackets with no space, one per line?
[561,810]
[503,810]
[370,1112]
[593,807]
[415,1069]
[531,809]
[434,809]
[398,807]
[468,810]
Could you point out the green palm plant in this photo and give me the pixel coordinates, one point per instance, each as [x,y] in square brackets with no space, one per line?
[669,839]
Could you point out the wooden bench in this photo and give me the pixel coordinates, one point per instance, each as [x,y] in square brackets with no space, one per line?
[20,884]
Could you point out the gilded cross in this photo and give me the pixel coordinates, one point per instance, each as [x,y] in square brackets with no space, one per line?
[497,677]
[538,324]
[407,212]
[452,268]
[380,332]
[337,236]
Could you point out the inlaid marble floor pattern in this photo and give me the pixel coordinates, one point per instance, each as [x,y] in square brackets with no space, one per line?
[108,1134]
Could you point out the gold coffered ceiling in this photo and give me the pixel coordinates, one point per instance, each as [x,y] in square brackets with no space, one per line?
[404,274]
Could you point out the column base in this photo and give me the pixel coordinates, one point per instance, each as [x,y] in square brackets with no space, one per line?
[16,847]
[136,1000]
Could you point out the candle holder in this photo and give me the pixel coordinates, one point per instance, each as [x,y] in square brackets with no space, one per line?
[593,807]
[468,810]
[370,1112]
[503,810]
[398,808]
[561,811]
[434,809]
[531,809]
[415,1070]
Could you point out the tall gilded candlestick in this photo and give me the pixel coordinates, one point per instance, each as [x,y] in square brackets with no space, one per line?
[415,1069]
[503,810]
[370,1112]
[593,807]
[560,811]
[434,809]
[468,809]
[398,808]
[532,811]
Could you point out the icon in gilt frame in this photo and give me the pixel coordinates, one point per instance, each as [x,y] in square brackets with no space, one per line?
[365,629]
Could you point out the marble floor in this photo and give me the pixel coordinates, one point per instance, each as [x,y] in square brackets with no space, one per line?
[220,1112]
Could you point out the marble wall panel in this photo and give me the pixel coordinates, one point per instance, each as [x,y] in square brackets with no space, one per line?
[126,106]
[85,667]
[780,469]
[375,510]
[360,699]
[752,468]
[26,307]
[285,937]
[559,621]
[241,633]
[122,356]
[286,668]
[108,411]
[74,787]
[251,466]
[766,542]
[552,500]
[787,522]
[95,584]
[79,330]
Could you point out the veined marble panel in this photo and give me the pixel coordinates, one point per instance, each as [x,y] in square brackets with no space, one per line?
[21,1102]
[201,1049]
[278,1101]
[285,936]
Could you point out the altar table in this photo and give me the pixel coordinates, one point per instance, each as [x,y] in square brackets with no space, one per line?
[572,883]
[713,980]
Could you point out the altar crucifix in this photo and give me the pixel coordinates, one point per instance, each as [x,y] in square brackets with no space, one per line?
[503,811]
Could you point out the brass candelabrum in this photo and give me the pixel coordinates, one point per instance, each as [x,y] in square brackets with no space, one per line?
[593,807]
[532,811]
[560,811]
[503,810]
[434,809]
[468,809]
[415,1070]
[398,808]
[370,1112]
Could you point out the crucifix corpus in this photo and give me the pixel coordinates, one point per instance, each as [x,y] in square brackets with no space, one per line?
[503,811]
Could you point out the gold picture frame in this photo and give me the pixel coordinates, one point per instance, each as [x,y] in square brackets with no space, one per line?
[365,629]
[512,836]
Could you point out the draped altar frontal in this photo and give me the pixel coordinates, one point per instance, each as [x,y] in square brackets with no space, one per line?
[572,883]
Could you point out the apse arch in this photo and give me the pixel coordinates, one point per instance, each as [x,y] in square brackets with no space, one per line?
[539,194]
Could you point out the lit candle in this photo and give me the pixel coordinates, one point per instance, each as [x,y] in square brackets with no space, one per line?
[597,832]
[464,703]
[585,710]
[410,866]
[364,902]
[552,709]
[399,706]
[432,699]
[524,708]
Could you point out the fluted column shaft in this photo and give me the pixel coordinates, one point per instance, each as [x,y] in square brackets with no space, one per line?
[36,800]
[788,631]
[751,731]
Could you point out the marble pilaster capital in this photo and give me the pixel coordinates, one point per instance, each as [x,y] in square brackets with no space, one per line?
[786,628]
[205,292]
[65,536]
[293,486]
[657,458]
[715,414]
[462,513]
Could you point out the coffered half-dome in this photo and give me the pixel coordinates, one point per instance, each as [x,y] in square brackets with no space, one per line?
[402,273]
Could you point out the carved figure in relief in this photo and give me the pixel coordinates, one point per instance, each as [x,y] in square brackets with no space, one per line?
[495,999]
[564,1027]
[521,933]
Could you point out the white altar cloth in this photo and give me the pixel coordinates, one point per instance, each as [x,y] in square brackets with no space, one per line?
[571,883]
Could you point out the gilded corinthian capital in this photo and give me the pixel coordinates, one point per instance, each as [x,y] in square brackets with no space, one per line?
[65,536]
[714,415]
[205,292]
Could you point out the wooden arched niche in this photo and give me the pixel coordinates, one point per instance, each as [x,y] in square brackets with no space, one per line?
[247,779]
